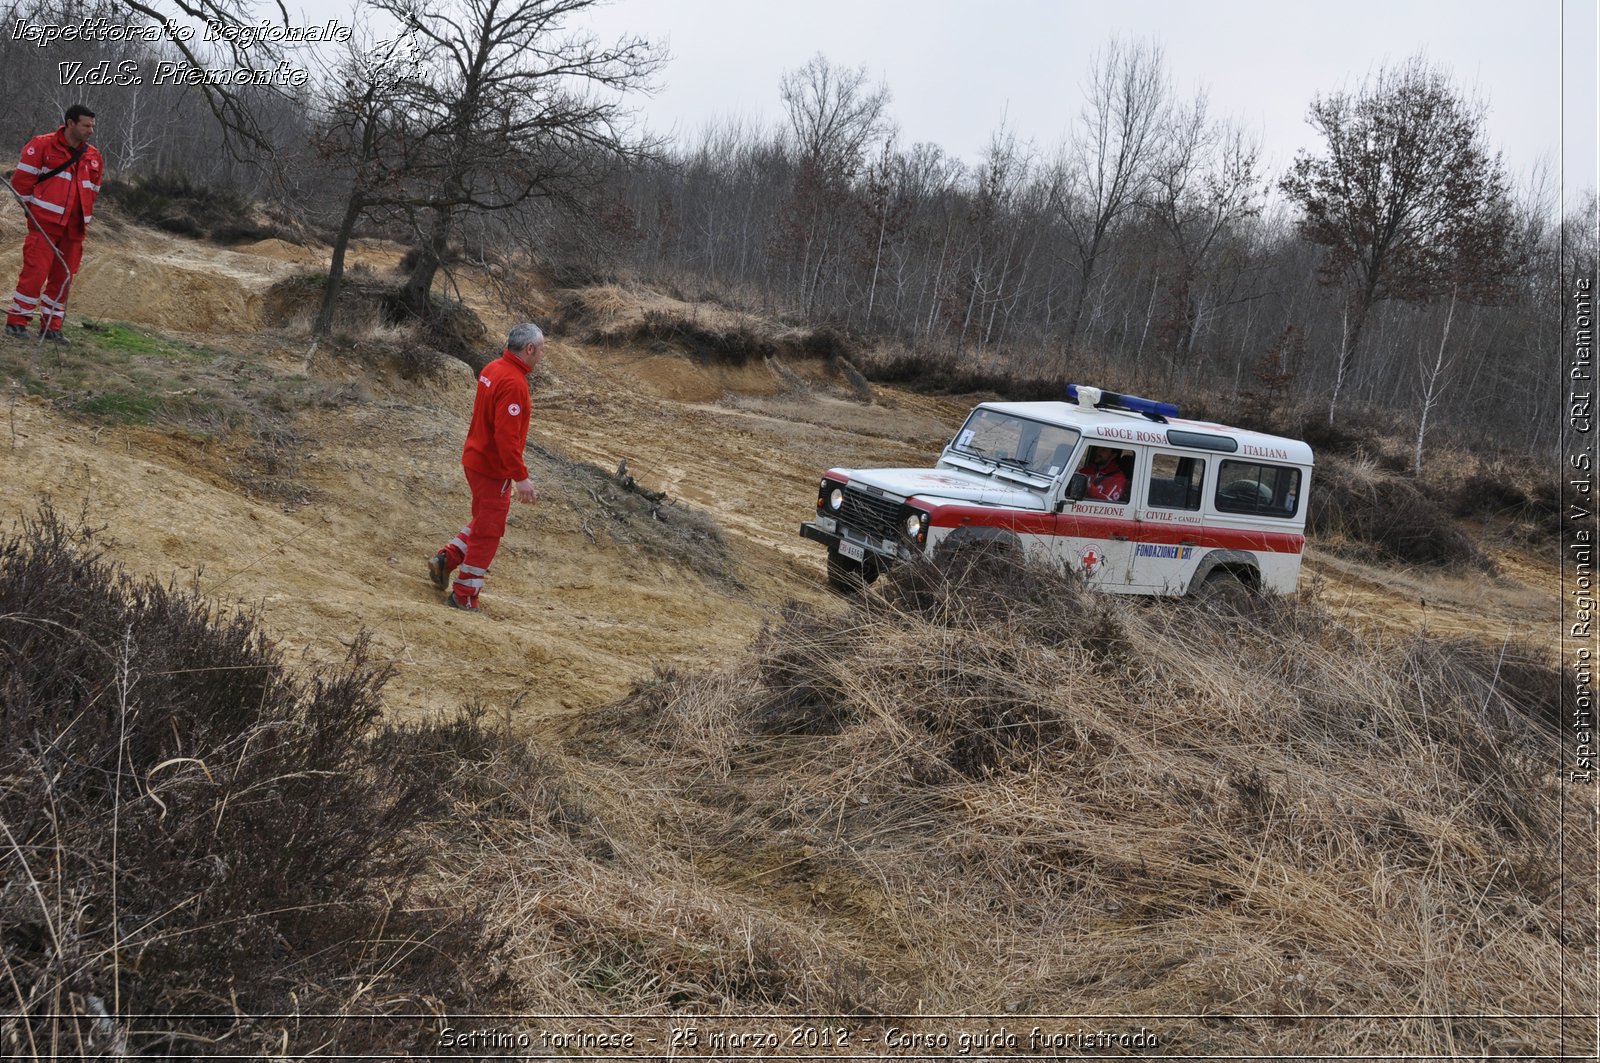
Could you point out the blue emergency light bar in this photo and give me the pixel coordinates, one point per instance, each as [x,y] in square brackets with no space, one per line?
[1110,400]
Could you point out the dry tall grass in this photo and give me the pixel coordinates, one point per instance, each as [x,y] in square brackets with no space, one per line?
[1009,796]
[1242,825]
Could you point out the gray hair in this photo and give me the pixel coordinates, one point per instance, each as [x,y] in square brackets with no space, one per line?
[524,334]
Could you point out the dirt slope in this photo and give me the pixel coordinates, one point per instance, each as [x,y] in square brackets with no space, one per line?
[577,607]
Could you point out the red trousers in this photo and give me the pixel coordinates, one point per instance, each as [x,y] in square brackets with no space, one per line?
[42,285]
[474,548]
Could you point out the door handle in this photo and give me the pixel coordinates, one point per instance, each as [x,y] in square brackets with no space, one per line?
[1185,542]
[1120,538]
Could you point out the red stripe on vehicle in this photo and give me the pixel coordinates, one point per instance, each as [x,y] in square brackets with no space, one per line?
[1083,526]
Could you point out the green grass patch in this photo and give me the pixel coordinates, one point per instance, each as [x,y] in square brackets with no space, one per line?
[116,373]
[116,338]
[120,373]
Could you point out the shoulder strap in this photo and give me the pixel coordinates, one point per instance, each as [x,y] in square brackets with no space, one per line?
[72,160]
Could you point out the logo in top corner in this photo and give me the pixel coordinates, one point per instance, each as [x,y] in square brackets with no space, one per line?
[392,61]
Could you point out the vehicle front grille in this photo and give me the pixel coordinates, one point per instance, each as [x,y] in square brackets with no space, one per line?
[869,514]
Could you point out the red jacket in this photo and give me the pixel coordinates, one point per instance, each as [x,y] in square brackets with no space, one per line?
[499,428]
[1108,483]
[64,203]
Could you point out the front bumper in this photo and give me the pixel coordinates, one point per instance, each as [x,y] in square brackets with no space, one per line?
[884,552]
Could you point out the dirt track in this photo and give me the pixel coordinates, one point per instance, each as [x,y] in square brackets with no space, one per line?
[574,613]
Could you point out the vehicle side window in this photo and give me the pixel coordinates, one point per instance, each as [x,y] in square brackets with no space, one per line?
[1176,481]
[1259,489]
[1109,472]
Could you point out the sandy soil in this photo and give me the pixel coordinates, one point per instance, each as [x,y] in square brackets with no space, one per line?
[574,615]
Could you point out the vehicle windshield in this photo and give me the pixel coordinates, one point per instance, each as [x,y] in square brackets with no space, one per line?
[1011,442]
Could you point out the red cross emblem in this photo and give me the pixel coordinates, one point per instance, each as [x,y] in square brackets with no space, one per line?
[1091,559]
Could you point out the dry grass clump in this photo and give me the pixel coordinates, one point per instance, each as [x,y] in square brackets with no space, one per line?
[616,316]
[611,904]
[985,790]
[1398,517]
[1526,495]
[174,204]
[1013,795]
[200,853]
[371,320]
[632,515]
[703,329]
[945,372]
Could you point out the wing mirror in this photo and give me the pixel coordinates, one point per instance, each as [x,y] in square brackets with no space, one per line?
[1077,490]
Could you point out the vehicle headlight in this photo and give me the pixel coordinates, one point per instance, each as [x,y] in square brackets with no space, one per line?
[836,498]
[914,524]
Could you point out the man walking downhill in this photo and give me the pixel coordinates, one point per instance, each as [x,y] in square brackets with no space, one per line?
[492,460]
[57,179]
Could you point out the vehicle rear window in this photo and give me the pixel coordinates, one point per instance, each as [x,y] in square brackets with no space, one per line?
[1258,489]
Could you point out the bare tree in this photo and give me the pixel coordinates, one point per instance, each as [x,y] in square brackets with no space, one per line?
[884,217]
[1204,181]
[232,107]
[363,133]
[511,107]
[1431,384]
[1408,200]
[836,116]
[1103,171]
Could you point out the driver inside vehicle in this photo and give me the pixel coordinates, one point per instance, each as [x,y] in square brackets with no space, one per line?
[1107,481]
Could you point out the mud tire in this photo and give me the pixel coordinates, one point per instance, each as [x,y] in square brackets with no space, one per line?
[1226,589]
[846,576]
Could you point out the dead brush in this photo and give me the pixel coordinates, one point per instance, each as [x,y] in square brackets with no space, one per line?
[201,852]
[1404,520]
[608,896]
[1144,808]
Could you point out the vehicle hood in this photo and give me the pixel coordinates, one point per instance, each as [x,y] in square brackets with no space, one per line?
[952,484]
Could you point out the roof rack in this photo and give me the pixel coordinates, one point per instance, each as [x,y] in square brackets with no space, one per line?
[1084,395]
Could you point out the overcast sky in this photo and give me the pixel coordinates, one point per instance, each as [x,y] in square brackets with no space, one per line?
[959,68]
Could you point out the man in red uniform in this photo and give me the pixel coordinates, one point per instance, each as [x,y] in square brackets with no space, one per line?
[58,179]
[492,460]
[1107,482]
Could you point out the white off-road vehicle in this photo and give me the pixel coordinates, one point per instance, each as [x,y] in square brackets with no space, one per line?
[1165,506]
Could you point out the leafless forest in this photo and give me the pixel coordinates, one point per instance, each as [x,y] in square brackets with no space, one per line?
[1403,266]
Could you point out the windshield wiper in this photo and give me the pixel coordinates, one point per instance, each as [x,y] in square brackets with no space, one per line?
[970,451]
[1021,465]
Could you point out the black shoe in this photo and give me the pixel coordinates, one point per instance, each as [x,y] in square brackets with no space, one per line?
[54,336]
[439,570]
[455,603]
[17,331]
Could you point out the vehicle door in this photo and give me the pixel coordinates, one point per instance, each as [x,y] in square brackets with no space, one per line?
[1168,508]
[1095,536]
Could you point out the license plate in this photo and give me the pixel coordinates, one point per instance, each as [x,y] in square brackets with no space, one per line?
[852,551]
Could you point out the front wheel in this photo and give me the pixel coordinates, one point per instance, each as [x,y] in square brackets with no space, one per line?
[846,575]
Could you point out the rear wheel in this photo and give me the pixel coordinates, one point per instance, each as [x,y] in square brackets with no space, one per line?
[1225,587]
